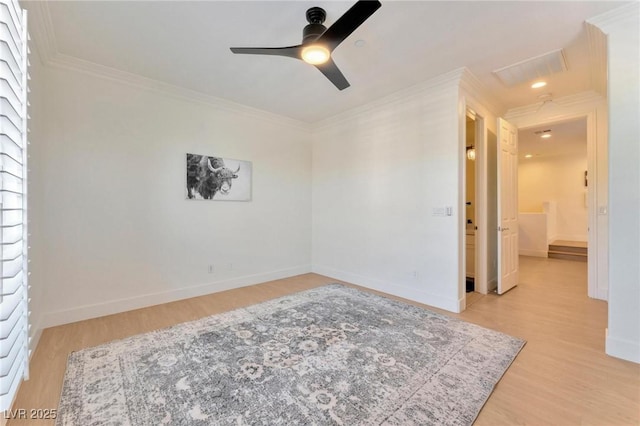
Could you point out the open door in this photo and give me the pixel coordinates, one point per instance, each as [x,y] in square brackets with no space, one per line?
[507,206]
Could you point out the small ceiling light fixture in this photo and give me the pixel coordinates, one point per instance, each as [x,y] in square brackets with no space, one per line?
[360,43]
[538,84]
[544,134]
[528,156]
[471,153]
[315,54]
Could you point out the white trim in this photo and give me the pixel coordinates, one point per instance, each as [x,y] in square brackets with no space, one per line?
[598,58]
[471,93]
[622,348]
[602,294]
[100,71]
[41,28]
[612,18]
[35,338]
[474,88]
[52,319]
[449,80]
[533,253]
[566,102]
[409,293]
[45,40]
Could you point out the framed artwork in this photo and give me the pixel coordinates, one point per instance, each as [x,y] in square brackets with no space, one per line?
[217,178]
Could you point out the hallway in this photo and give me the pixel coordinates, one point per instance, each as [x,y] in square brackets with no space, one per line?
[562,376]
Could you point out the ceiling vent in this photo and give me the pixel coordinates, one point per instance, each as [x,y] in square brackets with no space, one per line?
[532,69]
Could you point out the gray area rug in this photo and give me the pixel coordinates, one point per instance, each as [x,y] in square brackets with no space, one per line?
[331,355]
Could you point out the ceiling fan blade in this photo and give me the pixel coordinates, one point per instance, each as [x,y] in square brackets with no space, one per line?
[347,23]
[331,71]
[290,52]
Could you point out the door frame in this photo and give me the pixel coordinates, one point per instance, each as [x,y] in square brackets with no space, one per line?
[593,107]
[480,274]
[485,120]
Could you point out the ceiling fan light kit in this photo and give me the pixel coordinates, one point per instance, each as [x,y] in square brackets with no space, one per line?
[315,54]
[318,42]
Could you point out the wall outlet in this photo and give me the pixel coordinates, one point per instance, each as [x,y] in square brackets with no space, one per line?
[416,275]
[211,269]
[230,267]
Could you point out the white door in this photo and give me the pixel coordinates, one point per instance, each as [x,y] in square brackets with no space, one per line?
[507,206]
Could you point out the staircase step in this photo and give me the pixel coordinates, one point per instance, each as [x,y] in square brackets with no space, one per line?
[567,249]
[558,254]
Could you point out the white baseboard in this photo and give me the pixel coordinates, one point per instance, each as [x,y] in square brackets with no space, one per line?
[622,348]
[35,337]
[602,294]
[52,319]
[534,253]
[452,305]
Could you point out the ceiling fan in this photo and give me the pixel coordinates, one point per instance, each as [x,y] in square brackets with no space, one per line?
[319,41]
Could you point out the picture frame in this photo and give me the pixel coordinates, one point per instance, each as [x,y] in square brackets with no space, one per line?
[215,178]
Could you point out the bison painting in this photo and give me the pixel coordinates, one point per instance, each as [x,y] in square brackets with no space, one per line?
[209,176]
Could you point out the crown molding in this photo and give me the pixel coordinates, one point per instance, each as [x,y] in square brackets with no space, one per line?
[41,30]
[449,80]
[470,84]
[44,39]
[587,98]
[612,19]
[72,63]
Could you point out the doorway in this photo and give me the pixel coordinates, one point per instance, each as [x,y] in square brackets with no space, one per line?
[474,270]
[592,113]
[470,202]
[553,190]
[486,254]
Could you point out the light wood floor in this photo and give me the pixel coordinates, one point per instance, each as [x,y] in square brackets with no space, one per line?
[561,377]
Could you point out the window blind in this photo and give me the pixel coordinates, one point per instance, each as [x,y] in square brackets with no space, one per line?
[14,314]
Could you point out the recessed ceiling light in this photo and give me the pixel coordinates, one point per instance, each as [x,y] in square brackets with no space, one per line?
[546,136]
[528,156]
[538,84]
[360,43]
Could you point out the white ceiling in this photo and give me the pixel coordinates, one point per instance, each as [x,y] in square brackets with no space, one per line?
[567,138]
[187,44]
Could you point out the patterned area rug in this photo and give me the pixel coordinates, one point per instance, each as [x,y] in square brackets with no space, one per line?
[331,355]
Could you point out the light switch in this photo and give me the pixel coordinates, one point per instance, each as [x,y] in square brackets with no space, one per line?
[438,211]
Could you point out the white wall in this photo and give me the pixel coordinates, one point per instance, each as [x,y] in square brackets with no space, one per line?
[623,30]
[378,173]
[532,234]
[560,179]
[117,230]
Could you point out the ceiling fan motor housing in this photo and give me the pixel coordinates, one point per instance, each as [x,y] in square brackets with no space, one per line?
[315,17]
[311,32]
